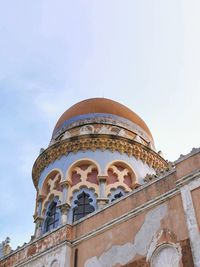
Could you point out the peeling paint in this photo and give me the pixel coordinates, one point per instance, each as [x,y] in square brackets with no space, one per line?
[153,245]
[125,253]
[58,257]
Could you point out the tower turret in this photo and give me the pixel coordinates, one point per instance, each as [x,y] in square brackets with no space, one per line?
[100,150]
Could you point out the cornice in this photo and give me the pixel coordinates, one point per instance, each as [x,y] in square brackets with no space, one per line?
[100,118]
[94,142]
[193,152]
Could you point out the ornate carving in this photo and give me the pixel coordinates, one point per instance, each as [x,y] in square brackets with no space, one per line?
[64,207]
[93,142]
[150,177]
[160,172]
[121,173]
[5,248]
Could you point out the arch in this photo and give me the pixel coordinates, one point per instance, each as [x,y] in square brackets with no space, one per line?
[51,188]
[166,255]
[53,173]
[120,175]
[92,195]
[116,194]
[48,200]
[81,161]
[121,162]
[83,173]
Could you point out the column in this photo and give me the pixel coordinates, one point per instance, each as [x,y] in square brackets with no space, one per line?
[38,219]
[64,206]
[102,200]
[38,229]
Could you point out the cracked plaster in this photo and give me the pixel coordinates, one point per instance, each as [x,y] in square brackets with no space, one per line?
[125,253]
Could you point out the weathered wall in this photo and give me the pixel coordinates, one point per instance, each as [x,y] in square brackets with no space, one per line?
[135,238]
[56,257]
[38,247]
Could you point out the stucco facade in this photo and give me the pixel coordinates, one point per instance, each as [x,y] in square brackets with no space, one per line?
[139,210]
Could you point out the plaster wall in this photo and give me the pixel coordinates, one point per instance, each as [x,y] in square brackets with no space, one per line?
[187,164]
[129,203]
[134,239]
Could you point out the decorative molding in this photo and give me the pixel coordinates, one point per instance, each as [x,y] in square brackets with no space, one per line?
[100,118]
[94,142]
[188,179]
[184,157]
[160,173]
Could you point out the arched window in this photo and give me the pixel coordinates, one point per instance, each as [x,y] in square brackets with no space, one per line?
[116,196]
[83,206]
[52,219]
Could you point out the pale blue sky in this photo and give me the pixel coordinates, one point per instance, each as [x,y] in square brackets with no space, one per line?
[142,53]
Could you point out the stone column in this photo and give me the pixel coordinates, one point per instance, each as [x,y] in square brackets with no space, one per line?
[102,200]
[39,205]
[65,188]
[38,219]
[38,229]
[64,206]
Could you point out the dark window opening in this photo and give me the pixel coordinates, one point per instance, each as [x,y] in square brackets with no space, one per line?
[52,220]
[76,258]
[83,206]
[116,196]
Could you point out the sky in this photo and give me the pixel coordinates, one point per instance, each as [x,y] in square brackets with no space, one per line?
[143,54]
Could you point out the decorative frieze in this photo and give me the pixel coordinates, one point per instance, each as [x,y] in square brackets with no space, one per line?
[94,142]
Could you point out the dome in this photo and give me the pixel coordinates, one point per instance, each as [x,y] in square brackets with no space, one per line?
[104,106]
[96,130]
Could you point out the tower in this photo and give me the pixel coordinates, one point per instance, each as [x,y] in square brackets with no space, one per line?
[99,151]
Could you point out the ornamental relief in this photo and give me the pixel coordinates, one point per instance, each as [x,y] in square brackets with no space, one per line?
[51,188]
[101,129]
[83,175]
[83,143]
[120,176]
[133,128]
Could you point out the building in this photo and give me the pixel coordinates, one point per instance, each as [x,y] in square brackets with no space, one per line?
[106,198]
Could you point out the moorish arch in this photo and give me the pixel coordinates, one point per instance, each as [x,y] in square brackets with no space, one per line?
[120,174]
[83,173]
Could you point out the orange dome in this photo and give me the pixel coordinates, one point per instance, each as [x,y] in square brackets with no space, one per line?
[102,105]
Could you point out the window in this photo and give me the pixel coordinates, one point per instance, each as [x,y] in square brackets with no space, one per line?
[52,219]
[116,196]
[83,206]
